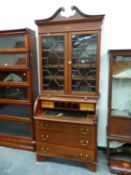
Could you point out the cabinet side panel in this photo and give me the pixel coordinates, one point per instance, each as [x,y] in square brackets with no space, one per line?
[33,66]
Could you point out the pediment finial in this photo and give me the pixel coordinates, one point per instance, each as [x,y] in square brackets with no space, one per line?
[57,18]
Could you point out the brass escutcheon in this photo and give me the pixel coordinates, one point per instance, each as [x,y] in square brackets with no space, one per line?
[126,165]
[44,137]
[84,142]
[44,149]
[83,156]
[44,126]
[84,131]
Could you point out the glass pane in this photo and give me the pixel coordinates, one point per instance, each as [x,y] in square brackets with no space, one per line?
[84,53]
[121,86]
[15,110]
[15,128]
[13,59]
[16,93]
[9,42]
[53,63]
[13,76]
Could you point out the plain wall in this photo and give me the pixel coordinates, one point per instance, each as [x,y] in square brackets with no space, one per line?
[116,32]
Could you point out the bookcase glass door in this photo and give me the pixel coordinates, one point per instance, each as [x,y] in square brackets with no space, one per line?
[14,93]
[84,56]
[15,110]
[13,59]
[15,128]
[121,86]
[53,63]
[13,76]
[12,42]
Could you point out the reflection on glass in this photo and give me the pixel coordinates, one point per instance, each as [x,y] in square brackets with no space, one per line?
[15,110]
[121,86]
[53,63]
[13,76]
[13,59]
[16,93]
[15,128]
[84,49]
[7,42]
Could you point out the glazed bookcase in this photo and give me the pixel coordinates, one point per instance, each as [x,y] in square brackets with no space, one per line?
[119,113]
[66,110]
[18,87]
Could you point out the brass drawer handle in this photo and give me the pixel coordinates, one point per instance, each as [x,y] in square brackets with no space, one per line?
[84,156]
[126,165]
[84,131]
[44,126]
[44,137]
[44,149]
[84,143]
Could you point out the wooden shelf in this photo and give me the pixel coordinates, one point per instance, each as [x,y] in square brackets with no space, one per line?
[119,139]
[14,68]
[73,78]
[53,66]
[70,98]
[15,50]
[14,84]
[79,65]
[85,65]
[88,120]
[16,142]
[18,119]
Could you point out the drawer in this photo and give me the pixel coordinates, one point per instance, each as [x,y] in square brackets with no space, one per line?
[66,127]
[67,139]
[120,167]
[120,126]
[66,152]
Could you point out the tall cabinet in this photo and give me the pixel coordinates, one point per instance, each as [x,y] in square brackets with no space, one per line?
[119,115]
[66,111]
[18,87]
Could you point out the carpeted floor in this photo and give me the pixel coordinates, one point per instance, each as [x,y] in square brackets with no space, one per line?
[19,162]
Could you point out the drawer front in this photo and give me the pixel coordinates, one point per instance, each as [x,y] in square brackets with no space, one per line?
[120,167]
[67,139]
[120,126]
[66,127]
[66,152]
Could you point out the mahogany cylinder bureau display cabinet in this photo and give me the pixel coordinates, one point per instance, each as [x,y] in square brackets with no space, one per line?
[66,110]
[18,87]
[119,116]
